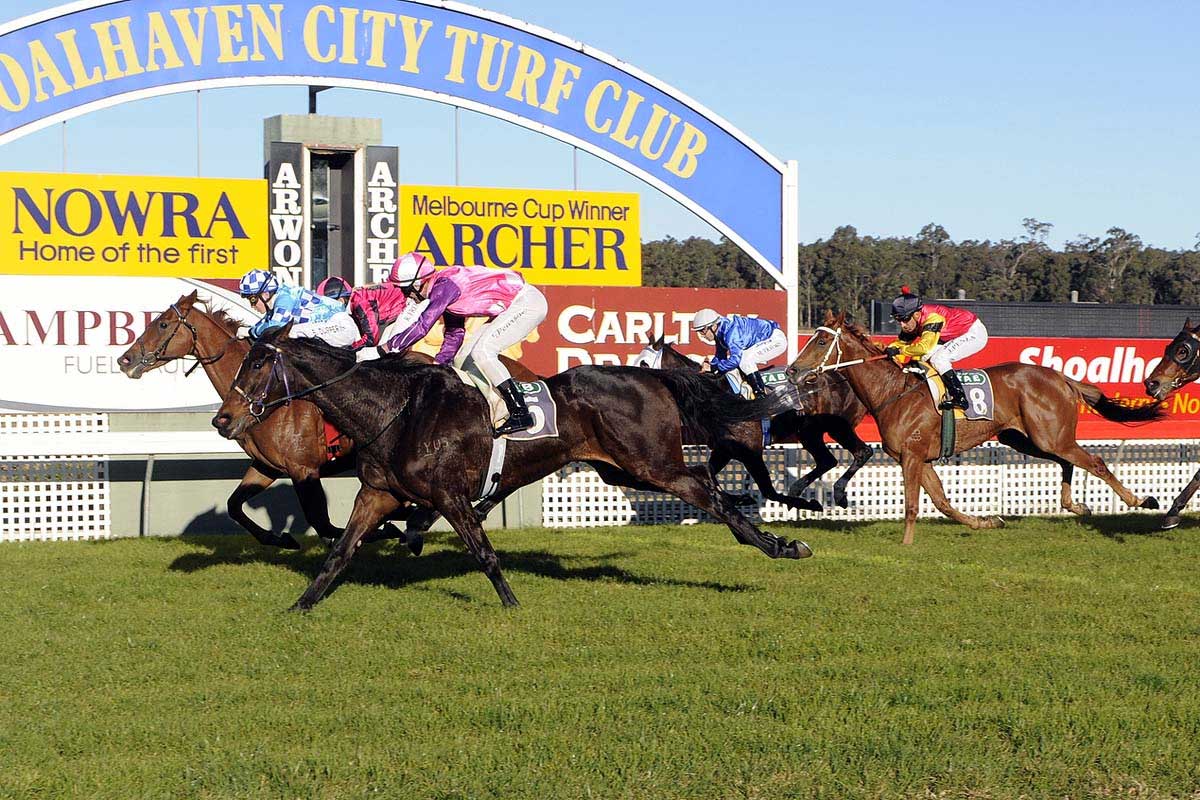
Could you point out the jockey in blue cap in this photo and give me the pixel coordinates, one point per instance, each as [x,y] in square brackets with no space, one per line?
[312,315]
[743,343]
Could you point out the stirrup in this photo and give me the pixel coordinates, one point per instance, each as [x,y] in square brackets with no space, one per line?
[514,424]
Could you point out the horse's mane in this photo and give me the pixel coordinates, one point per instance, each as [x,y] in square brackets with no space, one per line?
[224,320]
[862,333]
[345,358]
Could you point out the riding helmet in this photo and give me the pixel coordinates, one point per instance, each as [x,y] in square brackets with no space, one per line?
[334,287]
[410,268]
[906,304]
[257,281]
[705,317]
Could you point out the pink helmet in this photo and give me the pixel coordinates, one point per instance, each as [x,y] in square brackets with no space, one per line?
[411,268]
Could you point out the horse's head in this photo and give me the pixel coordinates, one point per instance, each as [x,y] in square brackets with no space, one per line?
[168,337]
[823,349]
[260,385]
[1180,363]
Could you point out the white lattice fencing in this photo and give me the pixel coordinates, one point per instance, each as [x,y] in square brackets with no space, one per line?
[991,479]
[49,498]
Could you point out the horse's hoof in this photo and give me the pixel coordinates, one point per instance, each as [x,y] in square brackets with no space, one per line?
[795,549]
[998,522]
[415,542]
[1149,502]
[288,542]
[840,499]
[1083,510]
[299,608]
[1170,521]
[742,499]
[803,504]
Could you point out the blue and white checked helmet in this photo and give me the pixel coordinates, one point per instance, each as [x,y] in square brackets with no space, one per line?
[257,281]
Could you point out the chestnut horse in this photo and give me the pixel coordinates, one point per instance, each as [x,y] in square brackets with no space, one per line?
[1180,365]
[1036,411]
[291,441]
[837,412]
[426,437]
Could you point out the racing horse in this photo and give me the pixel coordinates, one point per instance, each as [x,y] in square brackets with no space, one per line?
[1180,365]
[426,437]
[1036,412]
[290,442]
[837,412]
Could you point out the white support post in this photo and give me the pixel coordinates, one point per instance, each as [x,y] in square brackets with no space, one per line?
[791,254]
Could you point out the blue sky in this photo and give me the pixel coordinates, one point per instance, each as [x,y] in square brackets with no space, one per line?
[969,114]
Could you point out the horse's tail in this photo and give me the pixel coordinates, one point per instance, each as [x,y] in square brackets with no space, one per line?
[708,407]
[1117,410]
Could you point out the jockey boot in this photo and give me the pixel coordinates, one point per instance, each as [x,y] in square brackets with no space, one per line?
[955,396]
[519,418]
[756,382]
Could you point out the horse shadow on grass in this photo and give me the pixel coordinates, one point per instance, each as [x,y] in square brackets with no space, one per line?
[388,566]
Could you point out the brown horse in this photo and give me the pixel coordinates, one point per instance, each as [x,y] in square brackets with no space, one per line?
[836,412]
[291,441]
[1036,411]
[1180,365]
[425,437]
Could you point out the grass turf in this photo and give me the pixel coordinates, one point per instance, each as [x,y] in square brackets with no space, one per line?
[1052,658]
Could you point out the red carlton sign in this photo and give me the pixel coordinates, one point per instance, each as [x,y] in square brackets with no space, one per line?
[612,325]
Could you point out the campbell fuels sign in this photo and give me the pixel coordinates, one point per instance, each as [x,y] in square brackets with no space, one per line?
[554,238]
[62,224]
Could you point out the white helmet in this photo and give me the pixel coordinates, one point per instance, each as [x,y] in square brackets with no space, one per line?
[705,317]
[411,268]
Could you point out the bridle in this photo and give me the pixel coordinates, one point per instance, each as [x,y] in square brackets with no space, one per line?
[259,405]
[147,360]
[835,345]
[1184,352]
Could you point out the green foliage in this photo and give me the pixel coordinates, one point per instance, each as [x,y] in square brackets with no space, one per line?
[1055,658]
[848,271]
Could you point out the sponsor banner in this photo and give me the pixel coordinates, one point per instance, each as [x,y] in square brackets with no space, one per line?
[1116,366]
[63,224]
[381,202]
[286,176]
[94,54]
[613,325]
[60,338]
[555,238]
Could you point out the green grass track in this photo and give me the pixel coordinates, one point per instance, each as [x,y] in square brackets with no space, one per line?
[1054,658]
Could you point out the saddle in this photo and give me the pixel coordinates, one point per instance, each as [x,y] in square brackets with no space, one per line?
[976,384]
[537,397]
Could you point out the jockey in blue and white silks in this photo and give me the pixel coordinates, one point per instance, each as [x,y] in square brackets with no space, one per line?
[743,343]
[313,316]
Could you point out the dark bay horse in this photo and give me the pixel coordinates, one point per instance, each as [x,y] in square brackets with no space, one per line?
[836,411]
[291,441]
[426,437]
[1036,411]
[1180,366]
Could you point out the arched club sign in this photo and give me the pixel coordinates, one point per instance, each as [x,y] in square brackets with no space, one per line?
[81,57]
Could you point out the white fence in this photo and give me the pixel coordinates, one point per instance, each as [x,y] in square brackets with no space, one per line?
[991,479]
[51,497]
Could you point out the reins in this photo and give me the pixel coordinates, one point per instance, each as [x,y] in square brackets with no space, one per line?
[260,401]
[156,357]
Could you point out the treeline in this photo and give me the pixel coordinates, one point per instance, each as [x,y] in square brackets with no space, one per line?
[848,271]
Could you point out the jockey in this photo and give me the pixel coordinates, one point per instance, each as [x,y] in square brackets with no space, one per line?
[743,343]
[513,308]
[314,316]
[940,335]
[374,308]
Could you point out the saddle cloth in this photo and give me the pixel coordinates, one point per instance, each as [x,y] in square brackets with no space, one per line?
[976,384]
[537,397]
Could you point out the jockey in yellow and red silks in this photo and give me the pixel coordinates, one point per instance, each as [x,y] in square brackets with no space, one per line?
[938,334]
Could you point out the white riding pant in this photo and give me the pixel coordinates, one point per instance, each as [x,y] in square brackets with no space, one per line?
[943,356]
[764,352]
[527,310]
[339,330]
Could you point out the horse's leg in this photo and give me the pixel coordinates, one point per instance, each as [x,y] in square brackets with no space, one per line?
[695,486]
[762,476]
[1095,465]
[843,433]
[1023,444]
[932,484]
[911,466]
[314,503]
[254,482]
[1174,514]
[718,458]
[371,507]
[461,516]
[813,440]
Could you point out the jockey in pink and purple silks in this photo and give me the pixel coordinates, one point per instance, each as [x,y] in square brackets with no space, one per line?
[512,307]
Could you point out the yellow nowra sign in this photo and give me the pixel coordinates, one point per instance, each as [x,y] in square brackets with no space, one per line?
[555,238]
[62,224]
